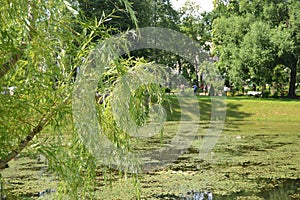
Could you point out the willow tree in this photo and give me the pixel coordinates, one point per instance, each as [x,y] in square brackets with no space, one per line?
[40,49]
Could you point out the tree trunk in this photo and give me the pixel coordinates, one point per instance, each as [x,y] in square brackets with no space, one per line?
[179,65]
[292,86]
[23,144]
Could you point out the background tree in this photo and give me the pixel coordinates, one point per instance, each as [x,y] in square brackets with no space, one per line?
[157,13]
[119,20]
[252,39]
[197,26]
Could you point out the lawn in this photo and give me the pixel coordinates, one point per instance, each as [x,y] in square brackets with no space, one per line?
[257,156]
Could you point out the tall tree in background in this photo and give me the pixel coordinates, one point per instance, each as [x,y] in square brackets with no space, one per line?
[159,13]
[197,26]
[251,40]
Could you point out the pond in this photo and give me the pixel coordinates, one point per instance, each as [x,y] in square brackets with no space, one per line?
[33,181]
[257,156]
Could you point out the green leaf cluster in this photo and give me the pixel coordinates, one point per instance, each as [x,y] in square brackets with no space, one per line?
[253,38]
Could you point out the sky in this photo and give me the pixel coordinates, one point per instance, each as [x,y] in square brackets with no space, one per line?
[206,5]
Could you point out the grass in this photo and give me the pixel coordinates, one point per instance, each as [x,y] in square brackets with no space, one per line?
[257,151]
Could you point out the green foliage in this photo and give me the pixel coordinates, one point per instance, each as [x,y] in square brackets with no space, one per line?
[255,53]
[133,91]
[196,26]
[252,39]
[165,15]
[75,166]
[42,44]
[121,15]
[46,51]
[162,15]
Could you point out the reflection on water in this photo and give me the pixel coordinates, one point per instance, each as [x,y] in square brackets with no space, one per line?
[286,189]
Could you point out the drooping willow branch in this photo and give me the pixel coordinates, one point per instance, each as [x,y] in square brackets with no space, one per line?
[17,56]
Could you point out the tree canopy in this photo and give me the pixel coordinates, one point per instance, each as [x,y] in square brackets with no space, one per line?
[253,39]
